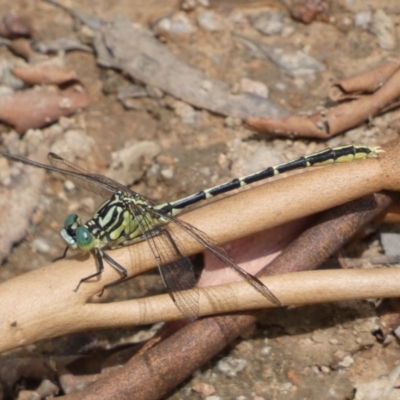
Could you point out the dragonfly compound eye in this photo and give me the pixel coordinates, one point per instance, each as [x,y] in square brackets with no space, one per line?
[84,238]
[72,221]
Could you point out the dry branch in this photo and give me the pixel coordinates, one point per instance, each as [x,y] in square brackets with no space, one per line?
[185,351]
[146,384]
[385,79]
[367,82]
[41,304]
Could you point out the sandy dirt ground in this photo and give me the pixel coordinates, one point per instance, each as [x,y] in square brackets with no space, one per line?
[321,351]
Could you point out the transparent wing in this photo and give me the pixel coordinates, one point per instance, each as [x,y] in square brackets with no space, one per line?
[210,245]
[95,183]
[175,268]
[177,273]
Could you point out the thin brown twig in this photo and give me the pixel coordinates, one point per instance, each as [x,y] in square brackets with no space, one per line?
[202,340]
[344,116]
[55,307]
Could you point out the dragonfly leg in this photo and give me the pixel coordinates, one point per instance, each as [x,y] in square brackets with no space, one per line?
[63,256]
[99,257]
[117,267]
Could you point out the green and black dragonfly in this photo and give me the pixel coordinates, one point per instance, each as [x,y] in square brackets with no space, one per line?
[127,217]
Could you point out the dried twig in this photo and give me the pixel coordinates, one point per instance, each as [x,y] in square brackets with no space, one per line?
[186,351]
[386,81]
[55,309]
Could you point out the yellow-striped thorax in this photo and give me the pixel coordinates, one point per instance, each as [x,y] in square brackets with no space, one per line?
[119,221]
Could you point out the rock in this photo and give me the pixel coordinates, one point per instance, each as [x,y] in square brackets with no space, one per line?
[211,21]
[390,242]
[382,26]
[129,163]
[269,22]
[231,366]
[254,87]
[176,24]
[362,19]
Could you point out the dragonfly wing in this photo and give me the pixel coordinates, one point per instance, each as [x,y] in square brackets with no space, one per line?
[71,171]
[178,277]
[175,268]
[218,251]
[95,183]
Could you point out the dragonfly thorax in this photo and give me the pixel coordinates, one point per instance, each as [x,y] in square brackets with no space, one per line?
[114,224]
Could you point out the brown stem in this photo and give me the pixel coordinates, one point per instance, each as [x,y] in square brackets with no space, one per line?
[42,304]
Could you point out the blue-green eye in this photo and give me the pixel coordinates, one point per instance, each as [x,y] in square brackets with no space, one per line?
[71,220]
[84,238]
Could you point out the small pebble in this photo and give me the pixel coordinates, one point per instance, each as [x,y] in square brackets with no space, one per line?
[362,19]
[167,173]
[7,78]
[204,388]
[211,21]
[285,387]
[266,351]
[269,22]
[189,5]
[346,362]
[66,123]
[74,142]
[397,332]
[295,63]
[41,245]
[69,185]
[254,87]
[177,24]
[231,366]
[280,86]
[187,113]
[232,122]
[388,339]
[47,388]
[316,369]
[133,104]
[129,162]
[390,242]
[382,26]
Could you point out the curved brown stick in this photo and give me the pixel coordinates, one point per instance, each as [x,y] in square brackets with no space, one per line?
[185,351]
[338,119]
[366,82]
[41,304]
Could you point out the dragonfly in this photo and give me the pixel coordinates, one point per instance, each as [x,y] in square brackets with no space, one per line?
[127,217]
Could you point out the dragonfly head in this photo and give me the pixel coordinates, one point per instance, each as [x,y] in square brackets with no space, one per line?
[77,235]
